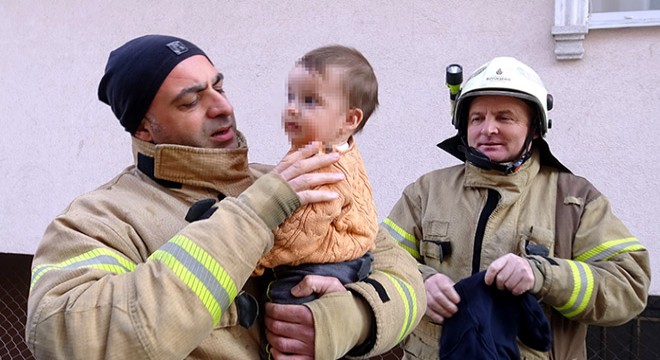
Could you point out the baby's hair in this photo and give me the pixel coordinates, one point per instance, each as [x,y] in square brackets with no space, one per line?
[359,78]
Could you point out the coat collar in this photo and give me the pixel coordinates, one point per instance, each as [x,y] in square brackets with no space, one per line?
[509,186]
[451,145]
[223,170]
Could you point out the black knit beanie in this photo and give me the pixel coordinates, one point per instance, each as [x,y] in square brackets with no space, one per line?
[135,72]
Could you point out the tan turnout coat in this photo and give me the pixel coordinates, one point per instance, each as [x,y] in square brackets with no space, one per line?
[596,271]
[121,275]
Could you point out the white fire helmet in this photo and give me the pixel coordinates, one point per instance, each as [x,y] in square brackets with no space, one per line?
[509,77]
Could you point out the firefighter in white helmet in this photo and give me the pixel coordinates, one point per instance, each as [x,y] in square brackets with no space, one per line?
[515,214]
[503,76]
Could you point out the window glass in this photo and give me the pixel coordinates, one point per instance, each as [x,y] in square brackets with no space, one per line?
[607,14]
[623,5]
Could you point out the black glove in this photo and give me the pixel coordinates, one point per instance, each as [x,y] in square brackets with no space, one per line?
[200,210]
[203,209]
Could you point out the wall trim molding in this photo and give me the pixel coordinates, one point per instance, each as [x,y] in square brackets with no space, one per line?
[570,28]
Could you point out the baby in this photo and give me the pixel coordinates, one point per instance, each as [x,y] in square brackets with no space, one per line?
[332,92]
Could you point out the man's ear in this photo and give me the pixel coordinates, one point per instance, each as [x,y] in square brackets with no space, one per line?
[354,118]
[143,131]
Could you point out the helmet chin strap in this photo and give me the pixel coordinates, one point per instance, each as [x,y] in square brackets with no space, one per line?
[482,161]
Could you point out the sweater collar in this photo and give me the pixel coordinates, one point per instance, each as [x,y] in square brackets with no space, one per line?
[223,170]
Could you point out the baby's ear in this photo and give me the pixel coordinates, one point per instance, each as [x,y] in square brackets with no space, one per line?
[354,118]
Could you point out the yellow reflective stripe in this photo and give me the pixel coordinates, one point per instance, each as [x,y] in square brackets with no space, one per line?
[110,268]
[192,282]
[200,272]
[583,286]
[409,301]
[101,258]
[405,240]
[607,250]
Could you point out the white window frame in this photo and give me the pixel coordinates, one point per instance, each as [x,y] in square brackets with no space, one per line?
[609,20]
[573,21]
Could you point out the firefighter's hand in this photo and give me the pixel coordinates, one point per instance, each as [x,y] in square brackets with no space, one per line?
[290,331]
[510,272]
[298,167]
[317,284]
[441,298]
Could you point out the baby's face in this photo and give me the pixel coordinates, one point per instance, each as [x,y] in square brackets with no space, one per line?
[317,108]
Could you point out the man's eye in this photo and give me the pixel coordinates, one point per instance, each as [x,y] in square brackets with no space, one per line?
[191,103]
[220,90]
[291,97]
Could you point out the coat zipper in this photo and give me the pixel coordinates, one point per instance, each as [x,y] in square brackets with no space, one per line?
[491,204]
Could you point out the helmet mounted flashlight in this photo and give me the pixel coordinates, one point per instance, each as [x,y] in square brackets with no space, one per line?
[454,79]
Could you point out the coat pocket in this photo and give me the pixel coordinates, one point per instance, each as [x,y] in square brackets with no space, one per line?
[536,241]
[435,247]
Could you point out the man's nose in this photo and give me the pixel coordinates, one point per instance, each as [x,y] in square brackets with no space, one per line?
[220,106]
[489,126]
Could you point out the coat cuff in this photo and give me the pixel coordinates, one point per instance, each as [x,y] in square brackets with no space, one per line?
[272,199]
[539,277]
[341,321]
[426,271]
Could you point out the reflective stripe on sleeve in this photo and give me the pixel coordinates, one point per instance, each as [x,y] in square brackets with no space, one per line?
[410,302]
[101,258]
[607,250]
[200,272]
[406,240]
[583,286]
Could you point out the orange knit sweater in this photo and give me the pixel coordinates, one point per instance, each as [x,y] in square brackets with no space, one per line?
[339,230]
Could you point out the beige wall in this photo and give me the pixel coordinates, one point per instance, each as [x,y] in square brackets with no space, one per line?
[58,140]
